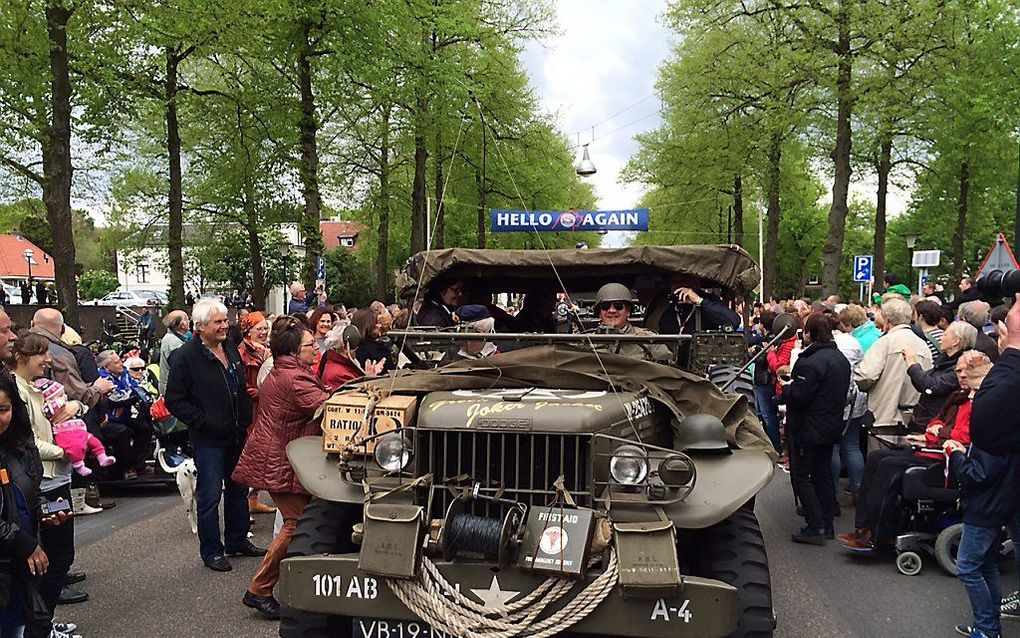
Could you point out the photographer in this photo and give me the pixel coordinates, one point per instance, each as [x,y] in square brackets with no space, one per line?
[689,303]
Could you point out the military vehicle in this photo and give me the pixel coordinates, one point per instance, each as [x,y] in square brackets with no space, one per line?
[555,489]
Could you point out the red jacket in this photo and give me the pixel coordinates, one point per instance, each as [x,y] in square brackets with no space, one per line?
[252,358]
[336,369]
[959,433]
[779,357]
[288,399]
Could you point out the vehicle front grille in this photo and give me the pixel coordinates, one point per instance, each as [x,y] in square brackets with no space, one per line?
[523,465]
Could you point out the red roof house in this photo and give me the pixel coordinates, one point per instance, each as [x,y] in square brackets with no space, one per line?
[12,259]
[337,234]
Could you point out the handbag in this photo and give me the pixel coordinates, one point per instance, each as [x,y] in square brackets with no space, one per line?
[159,411]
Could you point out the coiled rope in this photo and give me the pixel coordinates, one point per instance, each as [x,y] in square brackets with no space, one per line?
[438,602]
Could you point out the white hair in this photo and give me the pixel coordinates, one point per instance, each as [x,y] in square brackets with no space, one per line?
[482,325]
[105,357]
[205,310]
[975,313]
[966,333]
[134,362]
[897,312]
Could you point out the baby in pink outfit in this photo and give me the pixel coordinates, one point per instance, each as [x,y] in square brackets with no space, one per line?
[71,435]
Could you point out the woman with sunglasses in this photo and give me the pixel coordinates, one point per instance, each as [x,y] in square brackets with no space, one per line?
[288,400]
[614,303]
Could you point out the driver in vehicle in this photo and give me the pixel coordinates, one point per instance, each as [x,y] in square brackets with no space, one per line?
[614,305]
[686,301]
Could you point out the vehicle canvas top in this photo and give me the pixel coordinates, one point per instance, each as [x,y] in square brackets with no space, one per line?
[569,368]
[726,266]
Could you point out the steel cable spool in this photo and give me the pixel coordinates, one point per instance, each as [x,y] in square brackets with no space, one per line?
[475,535]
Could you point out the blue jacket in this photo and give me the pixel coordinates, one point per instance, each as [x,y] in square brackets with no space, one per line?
[988,486]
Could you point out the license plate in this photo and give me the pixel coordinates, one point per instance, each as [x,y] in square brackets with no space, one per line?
[375,628]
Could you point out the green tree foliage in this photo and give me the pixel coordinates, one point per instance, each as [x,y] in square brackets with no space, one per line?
[348,281]
[93,284]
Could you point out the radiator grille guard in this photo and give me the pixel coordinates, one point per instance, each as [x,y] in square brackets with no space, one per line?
[517,467]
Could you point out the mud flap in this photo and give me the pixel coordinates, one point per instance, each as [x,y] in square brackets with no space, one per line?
[649,567]
[392,542]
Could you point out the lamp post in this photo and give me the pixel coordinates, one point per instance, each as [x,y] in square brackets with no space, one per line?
[911,239]
[28,260]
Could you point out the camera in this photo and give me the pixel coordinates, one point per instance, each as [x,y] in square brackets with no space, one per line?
[996,284]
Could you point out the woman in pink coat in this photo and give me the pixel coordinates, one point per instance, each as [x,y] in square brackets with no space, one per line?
[288,399]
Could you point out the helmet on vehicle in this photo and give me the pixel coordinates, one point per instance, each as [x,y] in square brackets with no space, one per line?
[702,433]
[613,292]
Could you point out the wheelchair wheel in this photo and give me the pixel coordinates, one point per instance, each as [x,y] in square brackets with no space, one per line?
[947,543]
[909,563]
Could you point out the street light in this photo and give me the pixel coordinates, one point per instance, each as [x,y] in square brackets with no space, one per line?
[911,239]
[585,167]
[28,259]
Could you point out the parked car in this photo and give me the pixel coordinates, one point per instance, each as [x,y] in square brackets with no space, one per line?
[131,298]
[13,294]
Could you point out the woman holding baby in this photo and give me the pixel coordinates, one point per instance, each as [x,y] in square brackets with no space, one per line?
[32,357]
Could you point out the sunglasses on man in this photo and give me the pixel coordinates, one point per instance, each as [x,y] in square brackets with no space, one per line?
[615,305]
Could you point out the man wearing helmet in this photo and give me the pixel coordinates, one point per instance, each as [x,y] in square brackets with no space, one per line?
[614,303]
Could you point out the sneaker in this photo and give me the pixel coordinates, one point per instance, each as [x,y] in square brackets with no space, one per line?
[1010,609]
[64,627]
[1011,597]
[970,632]
[808,536]
[62,634]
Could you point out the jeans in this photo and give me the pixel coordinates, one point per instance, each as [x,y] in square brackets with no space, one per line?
[811,475]
[765,400]
[215,465]
[978,562]
[58,543]
[12,632]
[848,454]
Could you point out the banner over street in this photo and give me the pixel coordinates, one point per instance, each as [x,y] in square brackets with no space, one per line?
[511,221]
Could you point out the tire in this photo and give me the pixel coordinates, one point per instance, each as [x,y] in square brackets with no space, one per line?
[743,385]
[323,528]
[733,551]
[946,545]
[909,563]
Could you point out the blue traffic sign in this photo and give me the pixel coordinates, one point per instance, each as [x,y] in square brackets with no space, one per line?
[862,268]
[320,269]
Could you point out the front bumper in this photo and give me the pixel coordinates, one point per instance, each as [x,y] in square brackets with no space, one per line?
[334,585]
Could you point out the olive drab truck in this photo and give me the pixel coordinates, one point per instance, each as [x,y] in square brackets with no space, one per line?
[556,488]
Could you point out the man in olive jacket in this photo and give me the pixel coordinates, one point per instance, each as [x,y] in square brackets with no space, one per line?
[206,390]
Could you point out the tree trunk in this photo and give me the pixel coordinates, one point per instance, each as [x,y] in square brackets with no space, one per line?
[175,220]
[57,169]
[440,232]
[772,215]
[883,168]
[419,209]
[309,165]
[382,256]
[259,290]
[832,251]
[483,192]
[738,210]
[962,203]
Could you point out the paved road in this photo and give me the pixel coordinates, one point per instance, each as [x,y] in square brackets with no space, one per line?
[146,581]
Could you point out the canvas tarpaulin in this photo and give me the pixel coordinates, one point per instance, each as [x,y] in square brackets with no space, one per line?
[725,266]
[570,368]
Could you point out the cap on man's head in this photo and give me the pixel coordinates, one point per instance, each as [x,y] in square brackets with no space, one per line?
[472,312]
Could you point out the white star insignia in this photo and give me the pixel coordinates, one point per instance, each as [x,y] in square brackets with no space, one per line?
[494,596]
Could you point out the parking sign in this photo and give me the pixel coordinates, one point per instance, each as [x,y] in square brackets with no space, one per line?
[862,268]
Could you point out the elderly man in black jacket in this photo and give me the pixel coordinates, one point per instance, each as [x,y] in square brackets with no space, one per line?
[815,398]
[206,390]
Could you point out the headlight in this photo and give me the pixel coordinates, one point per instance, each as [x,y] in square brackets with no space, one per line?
[392,452]
[628,465]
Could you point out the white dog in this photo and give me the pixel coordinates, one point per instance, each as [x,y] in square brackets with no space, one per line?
[187,479]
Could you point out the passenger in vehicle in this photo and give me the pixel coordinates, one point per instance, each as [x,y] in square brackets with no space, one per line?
[687,301]
[536,313]
[437,309]
[614,304]
[473,318]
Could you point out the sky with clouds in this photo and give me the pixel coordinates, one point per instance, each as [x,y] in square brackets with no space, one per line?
[600,70]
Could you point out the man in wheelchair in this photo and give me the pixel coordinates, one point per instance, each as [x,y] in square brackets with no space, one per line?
[878,517]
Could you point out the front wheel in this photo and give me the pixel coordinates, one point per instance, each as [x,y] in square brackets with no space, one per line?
[733,551]
[323,528]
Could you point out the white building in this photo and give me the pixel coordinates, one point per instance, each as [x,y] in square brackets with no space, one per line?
[147,268]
